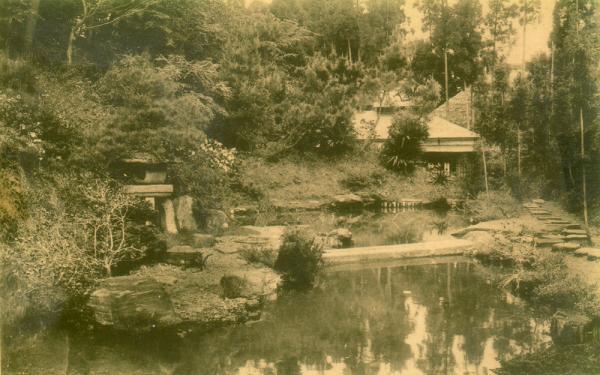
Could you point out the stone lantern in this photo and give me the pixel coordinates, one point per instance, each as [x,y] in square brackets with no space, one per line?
[146,178]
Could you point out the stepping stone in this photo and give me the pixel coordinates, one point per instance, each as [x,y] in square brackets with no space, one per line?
[554,218]
[547,242]
[593,254]
[558,222]
[581,252]
[590,252]
[552,236]
[577,237]
[566,246]
[538,201]
[574,231]
[539,212]
[531,205]
[573,226]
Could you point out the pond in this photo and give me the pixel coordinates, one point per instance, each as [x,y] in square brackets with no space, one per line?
[442,317]
[376,228]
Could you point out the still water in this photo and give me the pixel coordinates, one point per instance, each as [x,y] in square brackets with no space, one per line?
[377,228]
[444,318]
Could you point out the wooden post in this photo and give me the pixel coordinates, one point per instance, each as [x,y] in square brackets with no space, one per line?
[446,81]
[485,175]
[519,152]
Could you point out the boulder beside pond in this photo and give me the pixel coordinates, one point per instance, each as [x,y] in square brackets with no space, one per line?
[164,296]
[339,238]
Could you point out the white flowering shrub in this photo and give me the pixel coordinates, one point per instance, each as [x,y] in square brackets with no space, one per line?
[219,156]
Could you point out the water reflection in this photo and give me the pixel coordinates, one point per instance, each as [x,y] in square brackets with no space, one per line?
[373,229]
[433,319]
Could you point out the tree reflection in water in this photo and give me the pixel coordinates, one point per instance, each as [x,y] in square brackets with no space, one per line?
[428,319]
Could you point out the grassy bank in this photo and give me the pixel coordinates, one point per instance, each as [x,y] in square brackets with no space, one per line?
[320,179]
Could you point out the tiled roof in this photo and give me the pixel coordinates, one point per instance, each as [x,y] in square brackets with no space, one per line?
[438,127]
[442,128]
[458,109]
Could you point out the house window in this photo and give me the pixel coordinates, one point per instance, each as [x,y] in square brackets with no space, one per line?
[447,168]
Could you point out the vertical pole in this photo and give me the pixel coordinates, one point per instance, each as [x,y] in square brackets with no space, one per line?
[584,182]
[519,152]
[552,73]
[468,106]
[485,174]
[446,80]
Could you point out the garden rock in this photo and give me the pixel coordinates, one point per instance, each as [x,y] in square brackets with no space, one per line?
[339,238]
[183,254]
[184,213]
[215,221]
[249,236]
[164,296]
[347,201]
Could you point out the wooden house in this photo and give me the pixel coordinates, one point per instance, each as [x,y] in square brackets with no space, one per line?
[449,137]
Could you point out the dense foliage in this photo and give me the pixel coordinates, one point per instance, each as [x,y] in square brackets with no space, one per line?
[199,83]
[299,259]
[403,148]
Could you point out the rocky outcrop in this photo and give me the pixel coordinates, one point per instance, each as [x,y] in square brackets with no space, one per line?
[249,236]
[347,201]
[165,296]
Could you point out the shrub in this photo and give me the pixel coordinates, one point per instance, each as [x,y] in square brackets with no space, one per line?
[259,255]
[438,177]
[402,149]
[405,234]
[491,206]
[361,180]
[549,281]
[233,286]
[299,259]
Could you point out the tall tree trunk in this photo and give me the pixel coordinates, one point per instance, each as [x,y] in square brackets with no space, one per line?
[583,171]
[31,25]
[67,353]
[349,51]
[524,44]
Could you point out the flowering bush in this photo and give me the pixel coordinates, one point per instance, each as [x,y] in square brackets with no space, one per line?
[219,156]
